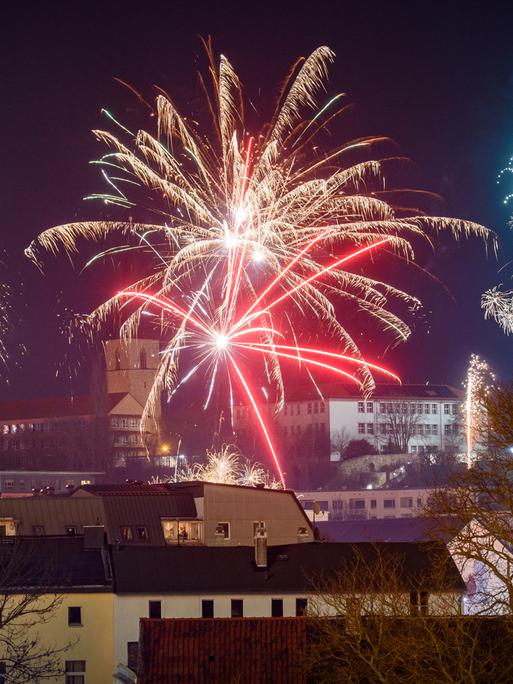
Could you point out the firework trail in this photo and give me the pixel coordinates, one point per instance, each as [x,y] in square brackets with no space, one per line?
[242,224]
[477,385]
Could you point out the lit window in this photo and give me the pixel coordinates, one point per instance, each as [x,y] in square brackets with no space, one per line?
[361,407]
[117,360]
[75,671]
[70,530]
[182,531]
[126,533]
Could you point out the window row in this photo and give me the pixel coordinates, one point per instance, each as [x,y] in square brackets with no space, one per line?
[425,449]
[236,608]
[362,405]
[361,504]
[124,422]
[311,427]
[25,427]
[315,407]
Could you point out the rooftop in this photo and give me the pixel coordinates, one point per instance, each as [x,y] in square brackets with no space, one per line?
[254,650]
[57,407]
[291,568]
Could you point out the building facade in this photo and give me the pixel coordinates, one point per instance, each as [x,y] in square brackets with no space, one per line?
[417,418]
[101,429]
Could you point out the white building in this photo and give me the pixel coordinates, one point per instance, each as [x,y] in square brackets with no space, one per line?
[428,416]
[365,503]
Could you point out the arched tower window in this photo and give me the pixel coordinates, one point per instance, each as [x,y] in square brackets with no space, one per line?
[117,360]
[142,359]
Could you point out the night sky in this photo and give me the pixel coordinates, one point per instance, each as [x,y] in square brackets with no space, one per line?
[437,79]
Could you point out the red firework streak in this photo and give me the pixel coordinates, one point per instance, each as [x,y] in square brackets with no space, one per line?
[225,334]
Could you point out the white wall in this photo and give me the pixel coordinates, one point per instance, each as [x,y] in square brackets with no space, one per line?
[129,608]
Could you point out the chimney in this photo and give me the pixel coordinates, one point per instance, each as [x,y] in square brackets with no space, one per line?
[260,540]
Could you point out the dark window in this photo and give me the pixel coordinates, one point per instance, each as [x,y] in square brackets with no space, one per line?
[142,533]
[155,609]
[117,360]
[71,531]
[38,530]
[132,652]
[301,606]
[373,503]
[237,608]
[207,608]
[3,671]
[3,530]
[277,607]
[74,615]
[126,533]
[142,359]
[419,602]
[75,671]
[389,503]
[223,530]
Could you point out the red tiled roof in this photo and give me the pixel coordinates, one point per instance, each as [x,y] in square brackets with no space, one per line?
[219,650]
[57,407]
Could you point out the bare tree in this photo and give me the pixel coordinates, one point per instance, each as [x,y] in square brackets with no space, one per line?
[400,427]
[475,513]
[27,602]
[339,441]
[369,623]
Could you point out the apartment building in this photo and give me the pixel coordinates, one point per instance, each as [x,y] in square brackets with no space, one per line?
[70,431]
[418,418]
[365,503]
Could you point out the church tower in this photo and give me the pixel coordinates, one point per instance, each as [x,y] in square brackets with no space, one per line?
[131,367]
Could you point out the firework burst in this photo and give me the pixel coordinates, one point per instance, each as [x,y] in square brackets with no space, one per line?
[478,383]
[227,466]
[251,234]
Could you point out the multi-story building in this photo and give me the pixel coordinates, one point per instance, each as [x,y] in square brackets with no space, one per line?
[365,504]
[414,418]
[83,430]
